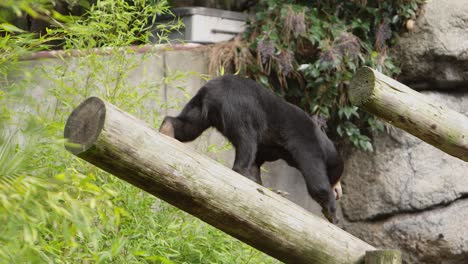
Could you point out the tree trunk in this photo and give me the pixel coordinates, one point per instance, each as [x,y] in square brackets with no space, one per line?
[409,110]
[126,147]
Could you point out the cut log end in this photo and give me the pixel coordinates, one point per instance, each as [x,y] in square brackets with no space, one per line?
[361,86]
[84,125]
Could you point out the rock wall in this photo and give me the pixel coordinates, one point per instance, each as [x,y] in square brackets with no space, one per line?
[409,195]
[437,47]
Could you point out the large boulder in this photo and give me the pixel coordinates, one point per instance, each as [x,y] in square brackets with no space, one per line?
[410,195]
[438,44]
[435,236]
[404,173]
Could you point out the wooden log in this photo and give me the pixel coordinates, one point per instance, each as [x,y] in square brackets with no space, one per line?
[126,147]
[411,111]
[383,256]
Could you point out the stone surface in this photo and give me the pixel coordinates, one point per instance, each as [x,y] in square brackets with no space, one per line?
[437,48]
[279,175]
[185,71]
[409,195]
[436,236]
[404,174]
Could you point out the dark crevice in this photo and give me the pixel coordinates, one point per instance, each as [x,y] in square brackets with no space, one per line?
[388,216]
[455,86]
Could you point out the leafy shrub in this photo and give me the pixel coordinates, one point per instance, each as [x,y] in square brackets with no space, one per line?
[56,208]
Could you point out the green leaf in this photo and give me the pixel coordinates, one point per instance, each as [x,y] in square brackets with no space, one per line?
[61,17]
[264,80]
[159,259]
[10,28]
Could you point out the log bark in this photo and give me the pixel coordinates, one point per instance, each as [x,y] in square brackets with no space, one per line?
[119,143]
[383,256]
[411,111]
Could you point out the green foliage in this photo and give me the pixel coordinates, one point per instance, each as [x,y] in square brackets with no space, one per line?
[116,23]
[16,8]
[56,208]
[307,51]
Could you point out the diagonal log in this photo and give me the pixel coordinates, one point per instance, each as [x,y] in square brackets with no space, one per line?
[411,111]
[126,147]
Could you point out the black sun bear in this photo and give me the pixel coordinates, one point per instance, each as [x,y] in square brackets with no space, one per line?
[263,127]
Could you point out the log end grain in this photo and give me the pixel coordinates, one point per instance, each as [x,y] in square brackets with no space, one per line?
[84,125]
[362,86]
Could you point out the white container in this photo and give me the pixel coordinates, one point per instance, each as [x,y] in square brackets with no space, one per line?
[206,25]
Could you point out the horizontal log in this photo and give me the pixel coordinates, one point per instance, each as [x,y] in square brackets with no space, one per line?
[126,147]
[411,111]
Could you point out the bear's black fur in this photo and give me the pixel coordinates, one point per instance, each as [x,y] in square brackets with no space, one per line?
[262,127]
